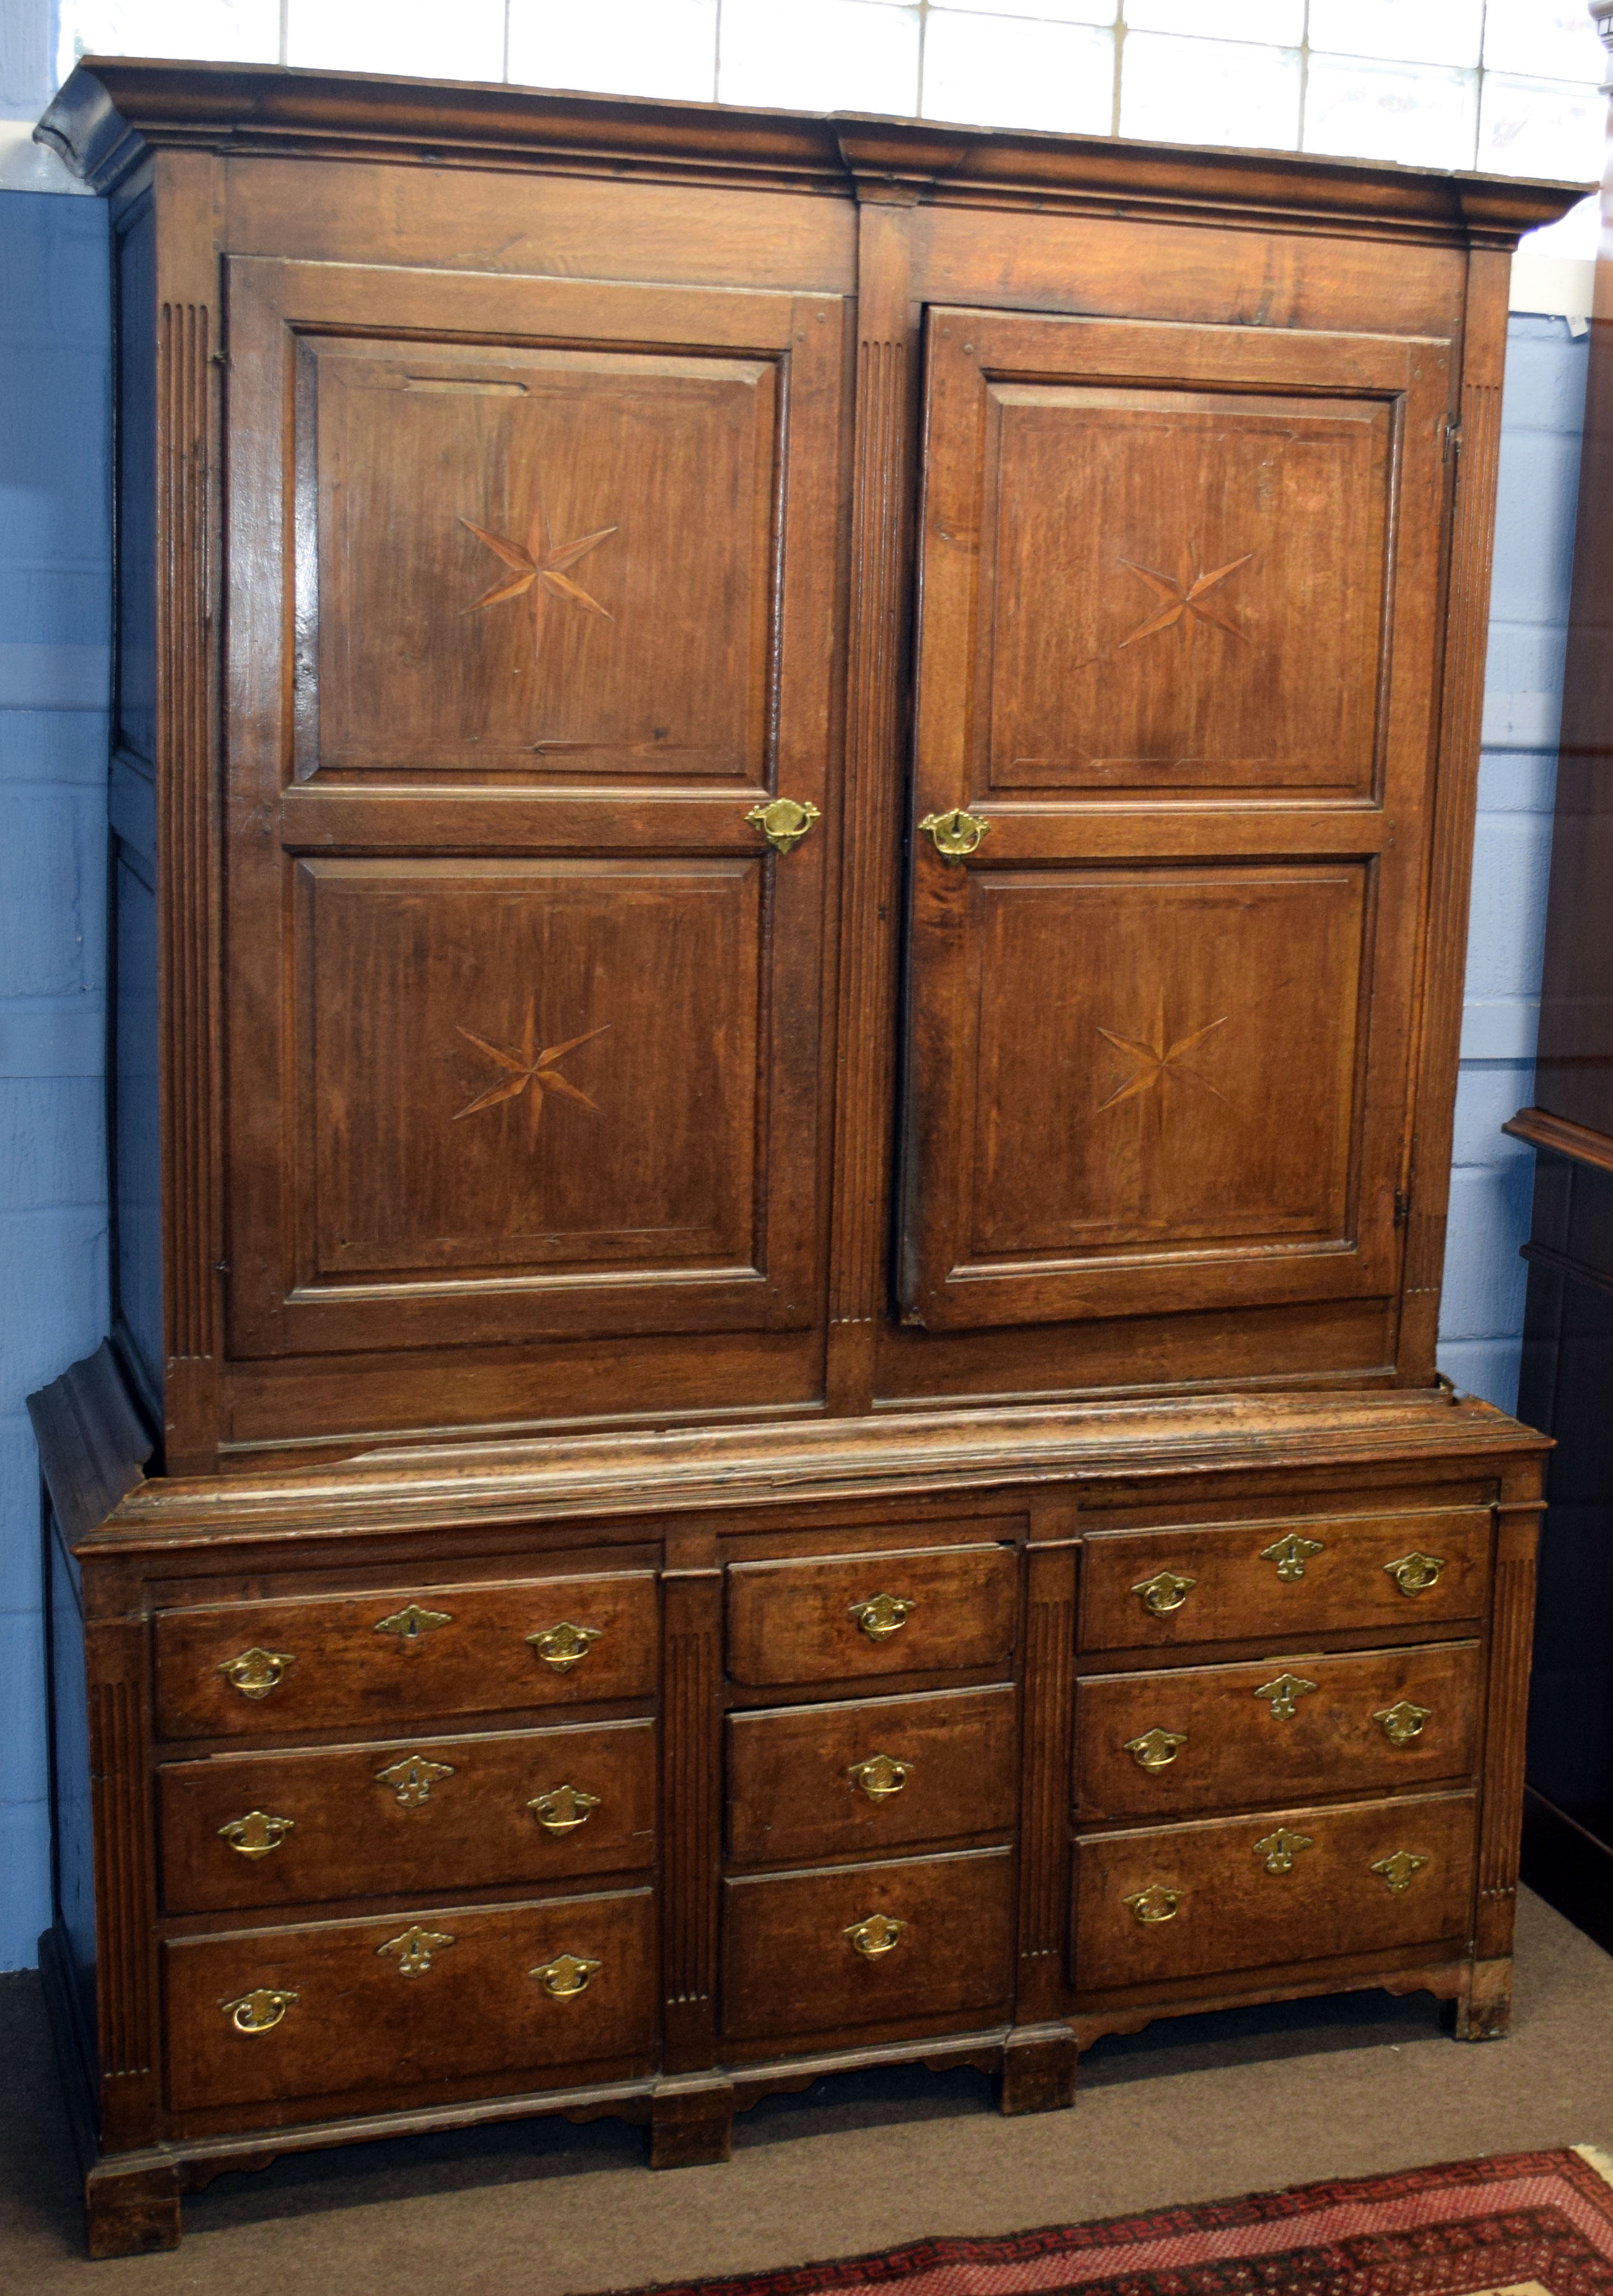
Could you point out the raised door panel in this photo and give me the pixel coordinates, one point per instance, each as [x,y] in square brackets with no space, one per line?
[533,587]
[1160,998]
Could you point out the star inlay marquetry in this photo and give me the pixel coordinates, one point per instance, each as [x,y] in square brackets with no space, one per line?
[1185,596]
[541,566]
[1162,1063]
[528,1067]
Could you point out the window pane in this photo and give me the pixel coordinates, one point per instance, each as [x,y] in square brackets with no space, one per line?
[213,31]
[1539,127]
[820,55]
[621,47]
[1550,39]
[413,36]
[1421,118]
[1408,31]
[1209,92]
[1275,20]
[1006,74]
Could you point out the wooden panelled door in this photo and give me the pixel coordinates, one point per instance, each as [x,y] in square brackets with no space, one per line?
[1177,651]
[533,589]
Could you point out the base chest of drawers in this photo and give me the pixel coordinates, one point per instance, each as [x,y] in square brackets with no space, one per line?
[790,808]
[479,1784]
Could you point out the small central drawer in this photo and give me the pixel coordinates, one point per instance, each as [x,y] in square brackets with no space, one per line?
[415,1654]
[1265,1891]
[1222,1737]
[871,1773]
[337,2007]
[859,1945]
[1283,1577]
[842,1616]
[243,1830]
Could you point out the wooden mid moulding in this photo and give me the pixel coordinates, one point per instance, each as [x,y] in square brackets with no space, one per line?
[644,1533]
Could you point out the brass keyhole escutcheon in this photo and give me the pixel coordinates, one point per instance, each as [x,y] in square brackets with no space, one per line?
[880,1776]
[564,1647]
[880,1934]
[783,823]
[1291,1553]
[1397,1870]
[1281,1849]
[955,835]
[1285,1694]
[415,1949]
[1165,1592]
[256,1672]
[1416,1572]
[413,1779]
[565,1976]
[1155,1904]
[1156,1749]
[257,1834]
[1403,1721]
[883,1615]
[563,1808]
[260,2011]
[413,1623]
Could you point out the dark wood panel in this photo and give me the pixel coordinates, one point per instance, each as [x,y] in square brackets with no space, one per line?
[792,1957]
[1217,1737]
[413,1653]
[1289,1885]
[239,1831]
[881,1614]
[871,1773]
[274,2014]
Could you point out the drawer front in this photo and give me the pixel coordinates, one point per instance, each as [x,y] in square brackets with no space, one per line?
[871,1773]
[1260,1892]
[274,2015]
[922,1936]
[243,1830]
[414,1654]
[1225,1737]
[1310,1575]
[849,1615]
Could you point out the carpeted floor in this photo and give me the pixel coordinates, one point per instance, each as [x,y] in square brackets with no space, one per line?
[1187,2110]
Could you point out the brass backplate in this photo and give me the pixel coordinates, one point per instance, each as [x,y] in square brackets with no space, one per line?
[564,1647]
[256,1672]
[565,1976]
[880,1934]
[413,1779]
[1165,1592]
[413,1623]
[883,1615]
[1156,1749]
[563,1808]
[783,823]
[257,1834]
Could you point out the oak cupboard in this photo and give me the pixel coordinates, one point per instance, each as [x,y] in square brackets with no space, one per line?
[792,806]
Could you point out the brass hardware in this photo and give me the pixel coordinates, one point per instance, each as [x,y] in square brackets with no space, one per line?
[1416,1572]
[955,834]
[1156,1749]
[1281,1849]
[565,1976]
[412,1623]
[256,1833]
[260,2011]
[783,823]
[883,1615]
[563,1808]
[564,1647]
[1155,1904]
[1165,1592]
[414,1778]
[1291,1553]
[1285,1693]
[1398,1871]
[880,1776]
[880,1933]
[256,1672]
[1403,1721]
[413,1950]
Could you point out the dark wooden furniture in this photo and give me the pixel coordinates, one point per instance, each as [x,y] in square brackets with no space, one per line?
[696,1535]
[1568,1320]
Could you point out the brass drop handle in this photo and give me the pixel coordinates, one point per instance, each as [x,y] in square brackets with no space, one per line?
[880,1776]
[1285,1693]
[1396,1871]
[260,2011]
[883,1615]
[1290,1554]
[257,1834]
[413,1623]
[563,1808]
[1416,1572]
[955,835]
[880,1934]
[564,1647]
[1156,1749]
[256,1672]
[565,1976]
[1280,1849]
[413,1779]
[415,1950]
[783,823]
[1155,1904]
[1403,1721]
[1165,1592]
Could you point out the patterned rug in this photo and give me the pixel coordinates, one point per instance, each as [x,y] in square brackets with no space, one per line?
[1517,2224]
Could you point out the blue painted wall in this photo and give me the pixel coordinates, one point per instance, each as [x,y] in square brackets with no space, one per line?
[54,603]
